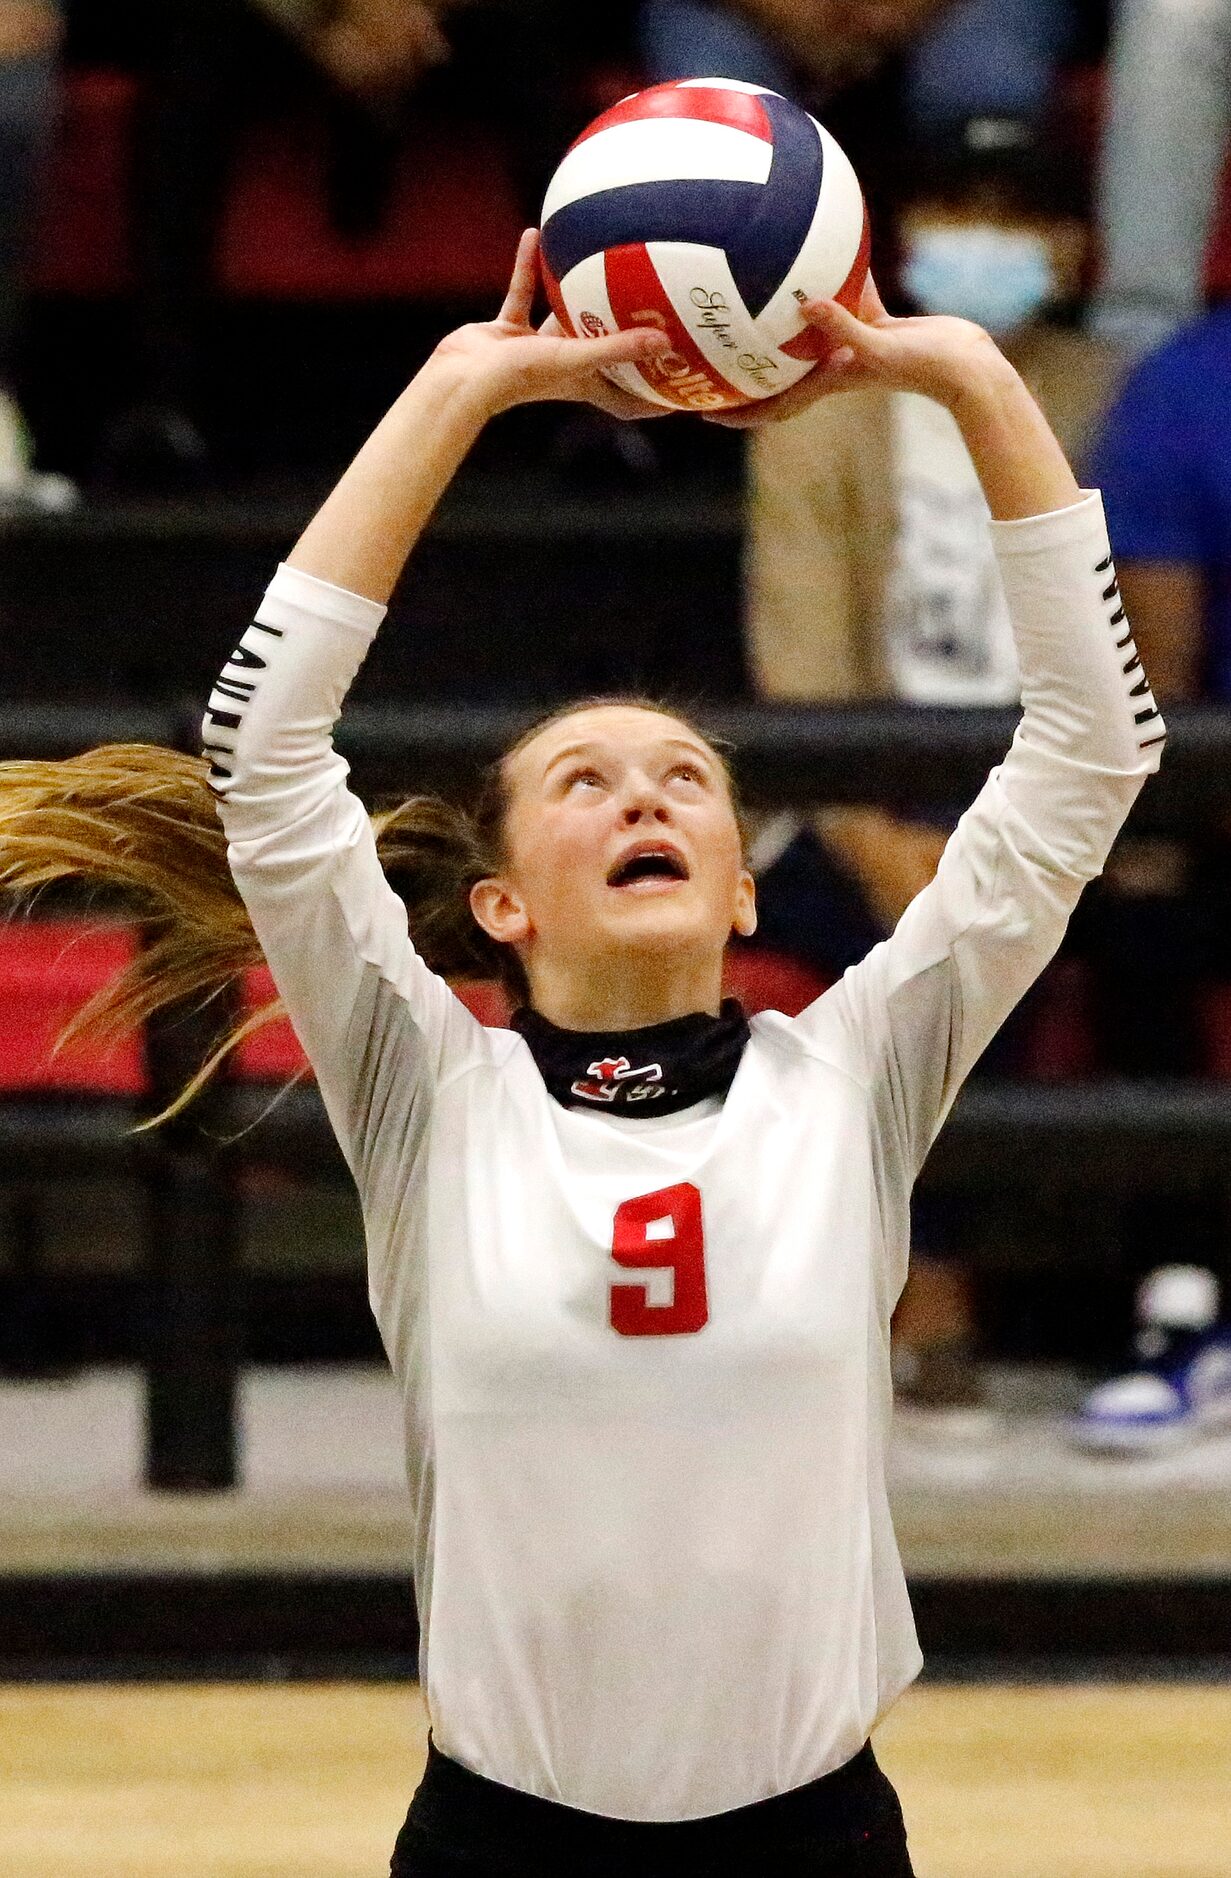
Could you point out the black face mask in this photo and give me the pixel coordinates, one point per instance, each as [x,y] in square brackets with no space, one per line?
[652,1071]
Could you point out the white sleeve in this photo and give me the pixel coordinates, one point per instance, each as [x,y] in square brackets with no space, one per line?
[378,1027]
[911,1019]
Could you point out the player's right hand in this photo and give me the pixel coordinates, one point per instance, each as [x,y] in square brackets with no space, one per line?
[512,362]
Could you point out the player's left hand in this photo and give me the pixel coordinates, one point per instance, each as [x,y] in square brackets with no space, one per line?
[932,354]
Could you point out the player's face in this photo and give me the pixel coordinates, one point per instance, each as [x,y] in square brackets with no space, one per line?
[621,841]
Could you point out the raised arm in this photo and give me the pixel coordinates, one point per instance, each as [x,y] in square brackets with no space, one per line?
[366,528]
[1020,464]
[300,844]
[912,1018]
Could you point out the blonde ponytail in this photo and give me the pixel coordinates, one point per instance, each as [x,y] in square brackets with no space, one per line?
[139,822]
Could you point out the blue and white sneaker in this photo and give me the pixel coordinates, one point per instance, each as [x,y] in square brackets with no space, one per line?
[1180,1390]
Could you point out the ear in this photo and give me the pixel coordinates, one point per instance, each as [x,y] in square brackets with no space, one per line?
[499,911]
[745,921]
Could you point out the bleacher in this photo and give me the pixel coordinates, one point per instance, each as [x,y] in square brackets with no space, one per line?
[149,596]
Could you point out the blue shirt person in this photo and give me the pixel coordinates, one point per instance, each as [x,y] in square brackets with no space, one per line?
[1163,462]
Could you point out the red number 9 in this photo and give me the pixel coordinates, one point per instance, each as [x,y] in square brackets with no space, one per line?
[661,1230]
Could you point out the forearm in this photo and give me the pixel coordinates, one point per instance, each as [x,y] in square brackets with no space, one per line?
[267,726]
[1021,466]
[1091,731]
[1041,827]
[362,534]
[1086,695]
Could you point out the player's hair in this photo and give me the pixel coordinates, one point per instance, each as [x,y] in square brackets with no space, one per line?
[139,824]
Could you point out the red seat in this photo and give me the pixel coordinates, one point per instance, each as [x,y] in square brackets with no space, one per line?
[450,232]
[770,981]
[760,979]
[451,229]
[1218,256]
[49,968]
[1216,1025]
[82,242]
[48,971]
[272,1053]
[1060,1045]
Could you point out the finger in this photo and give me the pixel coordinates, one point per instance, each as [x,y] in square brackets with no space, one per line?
[519,300]
[840,372]
[871,306]
[626,348]
[837,367]
[867,341]
[601,352]
[843,370]
[552,329]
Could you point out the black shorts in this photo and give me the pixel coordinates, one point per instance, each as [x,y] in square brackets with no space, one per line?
[848,1824]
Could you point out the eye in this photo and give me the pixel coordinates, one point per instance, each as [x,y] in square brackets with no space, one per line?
[591,778]
[687,772]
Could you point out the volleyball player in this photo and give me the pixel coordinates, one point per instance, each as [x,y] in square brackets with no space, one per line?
[634,1260]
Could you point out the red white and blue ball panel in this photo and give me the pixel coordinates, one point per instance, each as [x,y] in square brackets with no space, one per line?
[708,208]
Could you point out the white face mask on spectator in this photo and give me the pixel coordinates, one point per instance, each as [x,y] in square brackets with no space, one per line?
[998,277]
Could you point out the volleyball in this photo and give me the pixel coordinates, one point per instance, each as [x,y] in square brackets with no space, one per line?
[709,208]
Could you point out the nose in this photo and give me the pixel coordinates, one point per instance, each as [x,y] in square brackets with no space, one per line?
[643,802]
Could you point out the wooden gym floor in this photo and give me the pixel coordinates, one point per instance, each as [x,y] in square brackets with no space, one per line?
[1072,1781]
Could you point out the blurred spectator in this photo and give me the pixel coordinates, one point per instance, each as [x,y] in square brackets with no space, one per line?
[1158,929]
[1164,463]
[869,567]
[29,44]
[962,56]
[210,67]
[879,72]
[870,572]
[987,58]
[817,46]
[1161,926]
[1164,148]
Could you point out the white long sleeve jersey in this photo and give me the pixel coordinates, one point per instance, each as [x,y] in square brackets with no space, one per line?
[653,1556]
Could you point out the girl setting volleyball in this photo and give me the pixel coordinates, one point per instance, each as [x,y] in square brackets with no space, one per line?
[634,1259]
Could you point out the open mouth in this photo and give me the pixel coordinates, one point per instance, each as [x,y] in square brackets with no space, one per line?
[648,864]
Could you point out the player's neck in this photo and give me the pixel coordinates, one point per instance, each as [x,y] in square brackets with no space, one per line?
[628,995]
